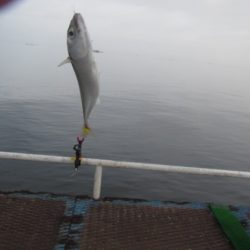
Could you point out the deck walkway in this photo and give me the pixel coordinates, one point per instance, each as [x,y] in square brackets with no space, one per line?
[49,221]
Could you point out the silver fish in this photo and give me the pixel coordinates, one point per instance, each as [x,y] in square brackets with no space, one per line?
[82,60]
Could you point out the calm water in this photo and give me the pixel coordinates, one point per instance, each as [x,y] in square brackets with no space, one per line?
[174,90]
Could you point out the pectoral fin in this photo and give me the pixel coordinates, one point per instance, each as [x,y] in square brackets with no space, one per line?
[67,60]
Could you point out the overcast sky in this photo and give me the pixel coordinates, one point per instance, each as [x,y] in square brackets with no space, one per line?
[212,30]
[161,35]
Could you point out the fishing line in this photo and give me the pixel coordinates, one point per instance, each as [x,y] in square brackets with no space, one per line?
[73,174]
[74,5]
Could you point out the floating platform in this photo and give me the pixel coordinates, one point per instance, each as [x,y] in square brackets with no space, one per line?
[48,221]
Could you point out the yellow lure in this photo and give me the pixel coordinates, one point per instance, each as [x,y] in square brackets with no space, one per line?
[85,131]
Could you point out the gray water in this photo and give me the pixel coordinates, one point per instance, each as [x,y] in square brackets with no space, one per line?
[174,90]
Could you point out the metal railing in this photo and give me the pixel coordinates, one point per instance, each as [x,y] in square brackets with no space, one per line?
[99,164]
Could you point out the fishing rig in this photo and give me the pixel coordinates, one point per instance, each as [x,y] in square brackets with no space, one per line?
[78,147]
[78,152]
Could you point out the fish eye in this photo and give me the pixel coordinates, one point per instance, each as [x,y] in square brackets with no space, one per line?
[71,33]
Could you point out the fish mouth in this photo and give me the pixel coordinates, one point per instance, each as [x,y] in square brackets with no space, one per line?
[78,21]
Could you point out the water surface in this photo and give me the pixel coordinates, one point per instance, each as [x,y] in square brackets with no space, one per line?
[174,90]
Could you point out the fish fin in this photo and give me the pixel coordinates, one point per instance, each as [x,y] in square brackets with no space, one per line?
[98,101]
[67,60]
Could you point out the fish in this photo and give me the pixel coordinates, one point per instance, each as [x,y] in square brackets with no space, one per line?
[80,55]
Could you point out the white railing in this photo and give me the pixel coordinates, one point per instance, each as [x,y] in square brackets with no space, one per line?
[99,164]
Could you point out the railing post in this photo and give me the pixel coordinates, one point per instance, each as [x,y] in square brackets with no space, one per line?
[97,182]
